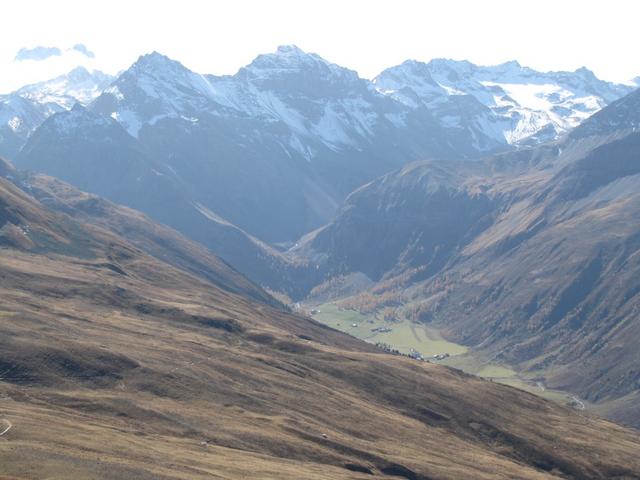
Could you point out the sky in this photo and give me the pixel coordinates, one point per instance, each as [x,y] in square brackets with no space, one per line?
[213,36]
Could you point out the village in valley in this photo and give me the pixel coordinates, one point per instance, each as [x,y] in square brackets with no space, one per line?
[391,333]
[400,336]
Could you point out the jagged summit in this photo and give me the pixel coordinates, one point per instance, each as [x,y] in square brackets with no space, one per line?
[408,72]
[506,103]
[79,72]
[511,64]
[453,68]
[289,58]
[412,65]
[290,49]
[585,72]
[63,91]
[78,108]
[155,63]
[154,55]
[413,79]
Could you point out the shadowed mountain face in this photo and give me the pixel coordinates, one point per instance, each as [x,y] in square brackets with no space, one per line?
[127,353]
[386,220]
[226,165]
[246,164]
[275,148]
[96,154]
[529,256]
[58,210]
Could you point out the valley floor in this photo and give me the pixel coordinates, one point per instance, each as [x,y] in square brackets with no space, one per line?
[408,337]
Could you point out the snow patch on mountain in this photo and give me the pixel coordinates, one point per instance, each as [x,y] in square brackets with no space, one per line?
[15,123]
[78,119]
[520,102]
[64,91]
[19,114]
[315,100]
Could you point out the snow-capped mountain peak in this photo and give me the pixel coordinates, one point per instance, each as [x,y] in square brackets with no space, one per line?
[453,69]
[154,70]
[411,83]
[61,93]
[513,103]
[290,49]
[22,111]
[290,60]
[317,102]
[286,56]
[153,88]
[511,64]
[585,72]
[155,63]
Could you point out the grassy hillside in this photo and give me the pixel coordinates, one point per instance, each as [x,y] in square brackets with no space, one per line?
[114,364]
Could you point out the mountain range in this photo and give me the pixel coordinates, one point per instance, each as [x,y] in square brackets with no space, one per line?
[255,160]
[506,103]
[496,204]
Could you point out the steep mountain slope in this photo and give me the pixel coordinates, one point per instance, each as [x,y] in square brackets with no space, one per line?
[384,226]
[115,364]
[285,139]
[18,118]
[22,111]
[275,148]
[96,154]
[503,104]
[623,115]
[263,156]
[154,239]
[530,256]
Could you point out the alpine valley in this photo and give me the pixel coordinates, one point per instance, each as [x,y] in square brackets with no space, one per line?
[242,276]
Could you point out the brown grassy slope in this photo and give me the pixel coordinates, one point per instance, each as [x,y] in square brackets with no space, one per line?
[116,365]
[153,238]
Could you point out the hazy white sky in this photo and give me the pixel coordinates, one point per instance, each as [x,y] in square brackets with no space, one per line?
[220,36]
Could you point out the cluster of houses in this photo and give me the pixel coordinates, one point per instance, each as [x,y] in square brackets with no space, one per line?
[394,351]
[416,355]
[388,348]
[440,356]
[381,329]
[413,353]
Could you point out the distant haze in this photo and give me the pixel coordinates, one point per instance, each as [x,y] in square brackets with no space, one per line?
[368,36]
